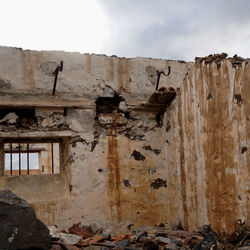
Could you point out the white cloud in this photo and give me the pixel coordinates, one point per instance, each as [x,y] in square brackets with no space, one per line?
[177,29]
[168,29]
[78,25]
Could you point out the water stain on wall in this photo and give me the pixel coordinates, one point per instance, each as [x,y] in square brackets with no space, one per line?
[219,151]
[182,165]
[123,74]
[204,171]
[114,179]
[49,159]
[246,108]
[45,211]
[110,69]
[28,71]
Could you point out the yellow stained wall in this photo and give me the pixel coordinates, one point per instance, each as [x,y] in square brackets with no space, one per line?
[213,128]
[201,159]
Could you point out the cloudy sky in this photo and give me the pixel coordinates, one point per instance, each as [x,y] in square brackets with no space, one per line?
[169,29]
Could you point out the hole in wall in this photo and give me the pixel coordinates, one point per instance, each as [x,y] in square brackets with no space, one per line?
[159,118]
[238,98]
[244,149]
[28,113]
[106,105]
[138,156]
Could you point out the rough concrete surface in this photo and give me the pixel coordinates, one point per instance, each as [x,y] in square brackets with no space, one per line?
[131,155]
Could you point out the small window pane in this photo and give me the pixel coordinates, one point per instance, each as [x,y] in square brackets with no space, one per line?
[34,162]
[43,158]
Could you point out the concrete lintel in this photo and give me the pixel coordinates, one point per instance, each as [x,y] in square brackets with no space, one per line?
[36,134]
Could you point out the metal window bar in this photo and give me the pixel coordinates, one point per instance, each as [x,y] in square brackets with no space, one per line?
[52,157]
[19,152]
[10,158]
[28,160]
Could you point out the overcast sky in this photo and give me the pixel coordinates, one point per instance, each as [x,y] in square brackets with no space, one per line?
[169,29]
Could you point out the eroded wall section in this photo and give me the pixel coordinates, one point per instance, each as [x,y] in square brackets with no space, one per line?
[212,113]
[130,155]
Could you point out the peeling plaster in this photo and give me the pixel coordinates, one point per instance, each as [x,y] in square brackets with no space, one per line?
[132,156]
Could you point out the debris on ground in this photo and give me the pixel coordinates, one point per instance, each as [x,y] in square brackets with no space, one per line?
[20,229]
[94,237]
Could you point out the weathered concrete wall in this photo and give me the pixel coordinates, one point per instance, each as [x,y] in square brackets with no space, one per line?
[124,162]
[213,126]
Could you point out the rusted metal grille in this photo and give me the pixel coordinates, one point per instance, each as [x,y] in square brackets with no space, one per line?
[52,158]
[16,164]
[28,160]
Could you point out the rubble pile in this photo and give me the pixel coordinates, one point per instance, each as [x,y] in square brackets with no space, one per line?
[95,237]
[20,229]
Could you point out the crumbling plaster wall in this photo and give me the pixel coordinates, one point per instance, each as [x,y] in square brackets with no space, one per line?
[129,167]
[213,120]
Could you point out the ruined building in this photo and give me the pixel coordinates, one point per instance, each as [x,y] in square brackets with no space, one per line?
[87,138]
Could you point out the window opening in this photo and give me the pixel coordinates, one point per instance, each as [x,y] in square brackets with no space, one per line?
[20,112]
[31,158]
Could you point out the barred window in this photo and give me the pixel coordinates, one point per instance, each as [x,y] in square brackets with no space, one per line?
[31,158]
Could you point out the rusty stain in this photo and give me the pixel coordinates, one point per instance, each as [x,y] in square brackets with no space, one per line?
[134,190]
[49,159]
[189,103]
[221,187]
[246,94]
[114,181]
[45,212]
[182,165]
[123,74]
[209,129]
[110,69]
